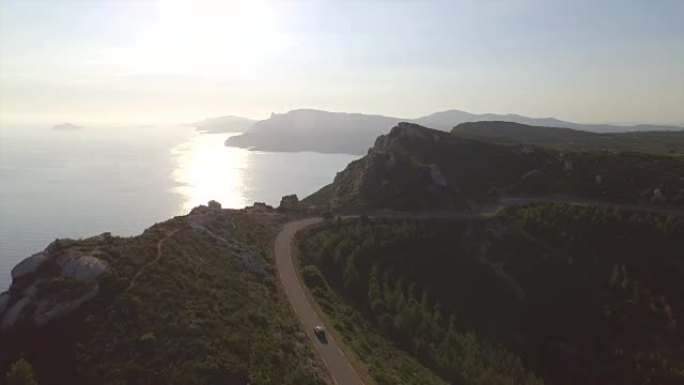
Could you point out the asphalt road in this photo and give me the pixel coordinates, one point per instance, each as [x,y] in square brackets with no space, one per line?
[338,365]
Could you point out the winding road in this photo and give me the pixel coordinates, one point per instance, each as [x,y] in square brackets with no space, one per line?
[339,366]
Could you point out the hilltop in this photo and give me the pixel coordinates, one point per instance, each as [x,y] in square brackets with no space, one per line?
[192,300]
[414,167]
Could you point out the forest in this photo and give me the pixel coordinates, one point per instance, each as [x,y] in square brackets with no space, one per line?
[555,293]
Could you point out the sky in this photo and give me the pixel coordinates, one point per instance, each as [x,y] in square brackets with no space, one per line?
[170,61]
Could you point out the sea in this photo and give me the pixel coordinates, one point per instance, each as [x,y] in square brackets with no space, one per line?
[79,183]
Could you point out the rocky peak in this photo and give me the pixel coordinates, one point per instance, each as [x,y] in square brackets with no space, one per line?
[409,130]
[402,131]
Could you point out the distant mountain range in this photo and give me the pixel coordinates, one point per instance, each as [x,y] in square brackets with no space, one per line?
[653,142]
[353,133]
[224,124]
[317,131]
[445,120]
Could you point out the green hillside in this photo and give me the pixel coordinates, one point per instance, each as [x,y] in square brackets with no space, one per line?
[572,294]
[209,310]
[654,142]
[414,167]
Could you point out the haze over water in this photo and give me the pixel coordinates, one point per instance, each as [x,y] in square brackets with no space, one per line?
[75,184]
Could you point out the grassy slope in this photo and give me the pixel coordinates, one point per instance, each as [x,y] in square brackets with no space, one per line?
[206,312]
[653,142]
[582,295]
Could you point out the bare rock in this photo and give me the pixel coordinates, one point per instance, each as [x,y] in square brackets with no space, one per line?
[259,208]
[530,175]
[84,267]
[567,165]
[408,130]
[657,196]
[49,309]
[13,312]
[437,176]
[28,265]
[56,292]
[289,203]
[527,150]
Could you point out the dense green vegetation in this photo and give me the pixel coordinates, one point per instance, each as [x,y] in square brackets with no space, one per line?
[209,311]
[654,142]
[414,167]
[398,309]
[386,363]
[574,294]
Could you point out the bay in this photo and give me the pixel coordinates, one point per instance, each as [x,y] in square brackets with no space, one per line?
[74,184]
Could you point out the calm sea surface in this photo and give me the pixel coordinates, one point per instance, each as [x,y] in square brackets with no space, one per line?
[56,184]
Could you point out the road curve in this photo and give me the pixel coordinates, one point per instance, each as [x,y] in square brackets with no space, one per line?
[338,365]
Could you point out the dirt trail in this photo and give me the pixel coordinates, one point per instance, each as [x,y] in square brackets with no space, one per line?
[160,245]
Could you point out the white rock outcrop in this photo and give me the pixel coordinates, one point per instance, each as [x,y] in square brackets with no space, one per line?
[84,267]
[33,297]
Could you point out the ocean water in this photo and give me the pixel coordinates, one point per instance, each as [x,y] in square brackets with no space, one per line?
[56,184]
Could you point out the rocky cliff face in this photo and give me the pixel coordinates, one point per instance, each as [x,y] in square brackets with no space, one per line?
[416,168]
[392,176]
[51,284]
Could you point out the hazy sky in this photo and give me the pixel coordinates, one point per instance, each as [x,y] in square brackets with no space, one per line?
[168,61]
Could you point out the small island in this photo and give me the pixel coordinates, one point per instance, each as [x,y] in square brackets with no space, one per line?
[67,127]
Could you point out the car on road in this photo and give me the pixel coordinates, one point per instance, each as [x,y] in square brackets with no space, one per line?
[319,331]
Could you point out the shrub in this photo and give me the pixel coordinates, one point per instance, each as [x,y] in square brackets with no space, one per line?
[21,373]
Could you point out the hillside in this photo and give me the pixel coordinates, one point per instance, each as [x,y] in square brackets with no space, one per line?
[351,133]
[414,167]
[312,130]
[543,293]
[193,300]
[656,142]
[445,120]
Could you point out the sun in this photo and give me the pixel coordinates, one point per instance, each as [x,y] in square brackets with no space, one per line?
[209,38]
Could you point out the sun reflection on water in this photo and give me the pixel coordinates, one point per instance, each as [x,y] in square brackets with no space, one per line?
[206,169]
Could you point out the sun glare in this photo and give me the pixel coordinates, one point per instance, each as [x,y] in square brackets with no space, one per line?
[202,172]
[209,38]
